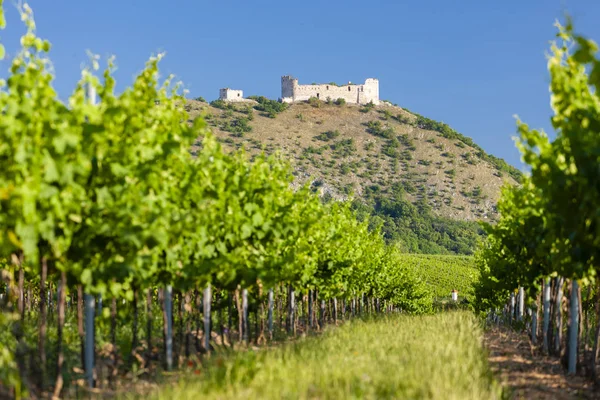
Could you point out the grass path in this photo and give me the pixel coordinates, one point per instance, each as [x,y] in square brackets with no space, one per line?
[431,357]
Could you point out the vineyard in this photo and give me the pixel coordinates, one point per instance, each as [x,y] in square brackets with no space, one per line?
[126,254]
[442,274]
[539,264]
[128,260]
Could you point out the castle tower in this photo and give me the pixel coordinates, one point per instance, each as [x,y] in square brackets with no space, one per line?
[370,91]
[288,85]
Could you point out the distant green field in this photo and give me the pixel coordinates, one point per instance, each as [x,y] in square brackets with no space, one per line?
[393,357]
[444,273]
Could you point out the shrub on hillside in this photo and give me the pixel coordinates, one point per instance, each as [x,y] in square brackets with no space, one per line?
[343,148]
[340,102]
[269,108]
[367,107]
[238,126]
[408,142]
[376,128]
[406,155]
[329,135]
[391,147]
[221,104]
[315,102]
[402,119]
[386,115]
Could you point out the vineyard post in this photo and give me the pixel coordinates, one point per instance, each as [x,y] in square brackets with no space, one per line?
[292,309]
[89,300]
[314,317]
[62,288]
[280,313]
[558,328]
[521,303]
[99,306]
[245,323]
[229,316]
[512,307]
[310,308]
[335,310]
[206,303]
[364,304]
[322,316]
[534,314]
[21,291]
[290,304]
[90,312]
[546,315]
[169,322]
[219,300]
[270,314]
[148,321]
[573,328]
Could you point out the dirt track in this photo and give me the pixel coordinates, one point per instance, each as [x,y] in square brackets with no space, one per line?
[530,375]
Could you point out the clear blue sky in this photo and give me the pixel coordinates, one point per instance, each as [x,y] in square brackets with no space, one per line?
[470,63]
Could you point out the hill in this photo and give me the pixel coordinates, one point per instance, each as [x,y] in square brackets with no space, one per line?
[378,154]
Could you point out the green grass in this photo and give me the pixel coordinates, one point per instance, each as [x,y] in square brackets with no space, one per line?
[430,357]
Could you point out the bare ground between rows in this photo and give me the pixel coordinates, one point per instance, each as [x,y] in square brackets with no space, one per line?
[528,374]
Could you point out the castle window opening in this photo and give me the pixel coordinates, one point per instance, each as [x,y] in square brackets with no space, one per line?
[238,95]
[327,87]
[317,95]
[348,88]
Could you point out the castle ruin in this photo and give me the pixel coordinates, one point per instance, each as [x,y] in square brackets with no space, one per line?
[365,93]
[227,94]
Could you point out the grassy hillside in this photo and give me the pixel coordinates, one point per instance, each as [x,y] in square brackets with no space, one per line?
[345,149]
[424,182]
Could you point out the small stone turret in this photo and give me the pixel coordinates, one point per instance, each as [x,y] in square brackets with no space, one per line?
[231,95]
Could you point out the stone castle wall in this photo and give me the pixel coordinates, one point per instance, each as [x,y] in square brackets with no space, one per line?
[292,92]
